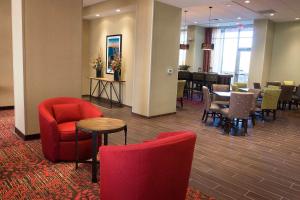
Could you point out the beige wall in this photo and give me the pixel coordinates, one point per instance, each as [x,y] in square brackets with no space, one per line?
[52,54]
[261,51]
[6,66]
[286,52]
[194,56]
[165,53]
[143,51]
[98,30]
[85,88]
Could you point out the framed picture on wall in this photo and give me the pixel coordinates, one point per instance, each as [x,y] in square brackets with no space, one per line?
[113,50]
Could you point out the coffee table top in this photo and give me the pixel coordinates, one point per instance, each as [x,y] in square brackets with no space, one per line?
[101,124]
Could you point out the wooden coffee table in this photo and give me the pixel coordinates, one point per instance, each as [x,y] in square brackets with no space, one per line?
[97,126]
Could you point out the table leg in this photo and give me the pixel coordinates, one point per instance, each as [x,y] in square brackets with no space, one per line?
[105,139]
[91,81]
[76,148]
[125,130]
[110,88]
[94,156]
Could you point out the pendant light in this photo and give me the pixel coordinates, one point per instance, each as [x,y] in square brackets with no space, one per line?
[208,46]
[185,44]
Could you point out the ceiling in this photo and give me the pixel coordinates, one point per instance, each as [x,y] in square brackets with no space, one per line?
[226,12]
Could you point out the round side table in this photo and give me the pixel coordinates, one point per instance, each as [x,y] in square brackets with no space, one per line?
[97,126]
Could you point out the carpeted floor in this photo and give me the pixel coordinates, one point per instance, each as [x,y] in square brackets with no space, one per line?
[25,174]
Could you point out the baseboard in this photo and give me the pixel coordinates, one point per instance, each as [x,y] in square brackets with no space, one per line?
[104,99]
[150,117]
[7,107]
[26,137]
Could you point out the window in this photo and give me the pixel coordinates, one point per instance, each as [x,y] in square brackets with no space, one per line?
[232,51]
[182,52]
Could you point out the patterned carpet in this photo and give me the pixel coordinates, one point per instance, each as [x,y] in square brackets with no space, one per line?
[25,174]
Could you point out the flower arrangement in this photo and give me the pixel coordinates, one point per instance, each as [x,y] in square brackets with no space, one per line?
[116,64]
[97,64]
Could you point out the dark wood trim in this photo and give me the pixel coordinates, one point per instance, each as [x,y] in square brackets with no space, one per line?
[102,99]
[7,107]
[150,117]
[26,137]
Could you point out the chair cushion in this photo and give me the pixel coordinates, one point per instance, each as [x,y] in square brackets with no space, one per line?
[225,112]
[67,132]
[222,103]
[214,107]
[66,112]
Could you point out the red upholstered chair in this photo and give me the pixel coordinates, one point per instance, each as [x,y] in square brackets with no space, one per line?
[57,117]
[158,169]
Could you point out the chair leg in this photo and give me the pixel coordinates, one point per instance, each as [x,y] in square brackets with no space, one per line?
[253,119]
[204,114]
[274,114]
[262,115]
[181,102]
[227,126]
[245,122]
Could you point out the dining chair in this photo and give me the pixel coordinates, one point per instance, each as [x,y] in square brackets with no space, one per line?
[256,95]
[180,91]
[222,101]
[296,97]
[275,83]
[236,86]
[286,96]
[288,82]
[187,76]
[269,102]
[240,107]
[256,86]
[198,80]
[209,107]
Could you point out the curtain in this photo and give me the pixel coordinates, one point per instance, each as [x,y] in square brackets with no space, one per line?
[207,54]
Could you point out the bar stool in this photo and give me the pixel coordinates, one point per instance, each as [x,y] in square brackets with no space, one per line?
[198,80]
[187,76]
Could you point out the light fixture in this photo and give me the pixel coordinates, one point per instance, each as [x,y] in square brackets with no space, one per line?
[97,15]
[195,22]
[118,10]
[239,18]
[228,5]
[185,44]
[208,46]
[297,18]
[247,1]
[272,14]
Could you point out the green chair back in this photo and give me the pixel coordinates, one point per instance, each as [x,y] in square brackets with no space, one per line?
[180,88]
[235,87]
[270,99]
[288,82]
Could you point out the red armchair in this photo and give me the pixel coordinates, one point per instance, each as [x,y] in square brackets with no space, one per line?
[157,169]
[57,117]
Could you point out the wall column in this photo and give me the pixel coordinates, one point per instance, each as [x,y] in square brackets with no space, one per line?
[46,55]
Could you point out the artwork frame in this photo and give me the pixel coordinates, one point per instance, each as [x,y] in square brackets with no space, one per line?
[113,47]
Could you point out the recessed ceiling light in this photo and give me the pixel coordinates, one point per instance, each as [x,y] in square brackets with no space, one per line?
[237,23]
[247,1]
[272,14]
[239,18]
[297,18]
[97,15]
[118,10]
[228,5]
[195,22]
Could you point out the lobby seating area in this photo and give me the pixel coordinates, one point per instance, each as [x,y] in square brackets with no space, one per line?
[149,99]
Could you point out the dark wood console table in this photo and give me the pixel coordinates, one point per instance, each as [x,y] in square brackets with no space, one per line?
[102,84]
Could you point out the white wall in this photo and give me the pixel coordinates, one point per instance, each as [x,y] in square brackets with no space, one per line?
[18,64]
[97,30]
[286,52]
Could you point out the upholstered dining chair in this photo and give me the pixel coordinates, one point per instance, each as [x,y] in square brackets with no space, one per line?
[256,95]
[57,118]
[274,83]
[222,101]
[209,107]
[256,85]
[236,86]
[296,97]
[286,96]
[269,102]
[240,107]
[158,169]
[288,82]
[198,80]
[180,91]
